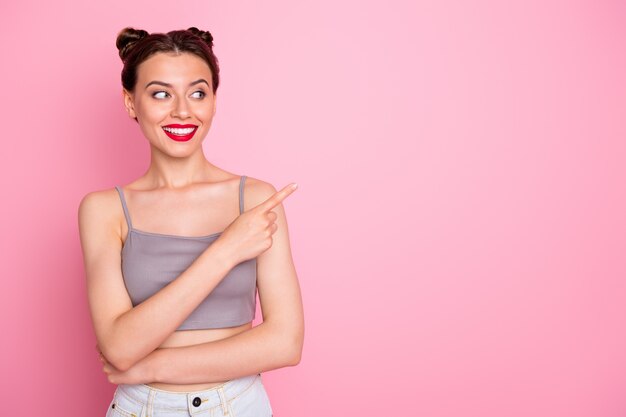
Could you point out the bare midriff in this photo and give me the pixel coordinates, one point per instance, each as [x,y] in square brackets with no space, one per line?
[193,337]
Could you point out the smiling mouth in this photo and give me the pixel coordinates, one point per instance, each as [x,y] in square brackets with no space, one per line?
[180,133]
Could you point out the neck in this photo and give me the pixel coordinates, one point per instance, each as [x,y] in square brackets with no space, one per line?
[166,171]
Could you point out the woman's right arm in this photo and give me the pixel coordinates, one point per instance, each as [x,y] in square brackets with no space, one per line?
[125,334]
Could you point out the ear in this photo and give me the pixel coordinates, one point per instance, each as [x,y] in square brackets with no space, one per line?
[128,103]
[214,103]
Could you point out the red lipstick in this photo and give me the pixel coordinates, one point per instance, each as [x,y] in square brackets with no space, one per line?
[180,133]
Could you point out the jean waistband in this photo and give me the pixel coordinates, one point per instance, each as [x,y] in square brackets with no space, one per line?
[193,401]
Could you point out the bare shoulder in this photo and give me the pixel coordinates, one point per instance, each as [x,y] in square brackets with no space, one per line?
[102,204]
[256,192]
[100,210]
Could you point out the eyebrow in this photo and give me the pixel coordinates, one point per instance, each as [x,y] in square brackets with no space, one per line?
[201,80]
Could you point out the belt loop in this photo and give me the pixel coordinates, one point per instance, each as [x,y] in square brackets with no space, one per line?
[220,392]
[150,404]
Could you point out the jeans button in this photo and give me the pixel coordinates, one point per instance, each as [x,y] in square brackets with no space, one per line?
[196,401]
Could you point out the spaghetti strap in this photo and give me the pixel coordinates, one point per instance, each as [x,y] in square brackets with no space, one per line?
[241,183]
[126,214]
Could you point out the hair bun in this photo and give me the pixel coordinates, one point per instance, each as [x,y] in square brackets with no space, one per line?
[204,34]
[127,38]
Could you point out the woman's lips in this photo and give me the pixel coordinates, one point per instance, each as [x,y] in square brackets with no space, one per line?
[179,137]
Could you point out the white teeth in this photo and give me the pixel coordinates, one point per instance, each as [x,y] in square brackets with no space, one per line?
[178,131]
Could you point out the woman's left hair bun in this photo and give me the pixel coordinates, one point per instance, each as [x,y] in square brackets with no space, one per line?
[127,38]
[205,35]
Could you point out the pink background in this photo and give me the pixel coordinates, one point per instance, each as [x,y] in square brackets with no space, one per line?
[459,230]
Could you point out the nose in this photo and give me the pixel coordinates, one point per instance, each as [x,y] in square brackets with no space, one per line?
[181,108]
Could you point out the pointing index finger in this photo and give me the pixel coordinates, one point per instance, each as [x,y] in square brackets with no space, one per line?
[278,197]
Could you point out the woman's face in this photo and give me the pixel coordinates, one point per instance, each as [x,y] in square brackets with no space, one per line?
[173,90]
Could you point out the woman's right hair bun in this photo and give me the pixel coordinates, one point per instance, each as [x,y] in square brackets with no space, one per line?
[127,38]
[204,34]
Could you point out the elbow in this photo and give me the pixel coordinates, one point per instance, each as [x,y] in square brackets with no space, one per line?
[124,360]
[122,364]
[294,349]
[118,361]
[295,358]
[118,357]
[116,348]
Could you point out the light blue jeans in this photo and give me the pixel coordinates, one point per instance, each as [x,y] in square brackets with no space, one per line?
[240,397]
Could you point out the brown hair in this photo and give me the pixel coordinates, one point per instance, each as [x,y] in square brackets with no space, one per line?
[137,45]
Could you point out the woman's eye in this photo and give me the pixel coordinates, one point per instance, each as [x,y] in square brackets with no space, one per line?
[163,94]
[155,95]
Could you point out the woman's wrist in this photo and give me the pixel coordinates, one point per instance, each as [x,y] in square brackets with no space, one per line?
[155,365]
[222,255]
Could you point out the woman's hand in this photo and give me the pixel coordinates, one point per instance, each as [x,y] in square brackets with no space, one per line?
[250,234]
[139,373]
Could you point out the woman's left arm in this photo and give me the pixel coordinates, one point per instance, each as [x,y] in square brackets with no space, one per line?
[275,343]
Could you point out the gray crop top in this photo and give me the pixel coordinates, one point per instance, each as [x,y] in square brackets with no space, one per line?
[150,261]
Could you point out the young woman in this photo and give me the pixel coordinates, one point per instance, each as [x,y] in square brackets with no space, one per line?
[174,259]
